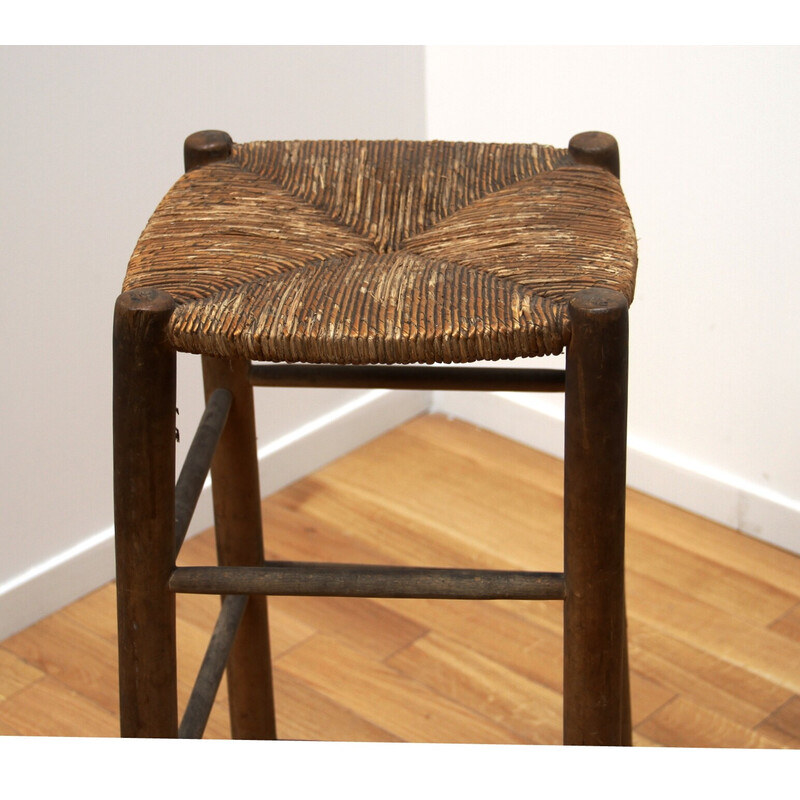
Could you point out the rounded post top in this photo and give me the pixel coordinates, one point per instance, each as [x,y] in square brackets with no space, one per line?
[148,301]
[142,315]
[598,303]
[596,148]
[205,147]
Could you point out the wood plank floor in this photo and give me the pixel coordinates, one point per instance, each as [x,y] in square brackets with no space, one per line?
[714,615]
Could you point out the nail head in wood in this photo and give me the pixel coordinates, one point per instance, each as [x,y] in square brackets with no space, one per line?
[596,148]
[204,147]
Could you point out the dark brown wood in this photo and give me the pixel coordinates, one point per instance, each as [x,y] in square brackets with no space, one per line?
[596,148]
[144,512]
[237,520]
[594,519]
[204,147]
[627,720]
[313,579]
[485,379]
[209,677]
[198,461]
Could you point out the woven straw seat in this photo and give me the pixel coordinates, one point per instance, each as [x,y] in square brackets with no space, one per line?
[384,252]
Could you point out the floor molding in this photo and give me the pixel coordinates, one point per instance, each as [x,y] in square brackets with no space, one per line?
[668,476]
[652,469]
[88,565]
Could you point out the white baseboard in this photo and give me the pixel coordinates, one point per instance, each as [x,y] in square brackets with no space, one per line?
[669,476]
[654,470]
[85,567]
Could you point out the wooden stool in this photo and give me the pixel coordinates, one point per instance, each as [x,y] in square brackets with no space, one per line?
[345,258]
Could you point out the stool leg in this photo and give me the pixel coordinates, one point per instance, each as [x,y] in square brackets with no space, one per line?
[237,519]
[596,709]
[144,513]
[627,723]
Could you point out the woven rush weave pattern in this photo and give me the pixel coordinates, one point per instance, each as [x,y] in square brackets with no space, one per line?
[384,252]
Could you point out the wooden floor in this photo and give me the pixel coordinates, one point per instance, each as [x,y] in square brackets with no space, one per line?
[714,616]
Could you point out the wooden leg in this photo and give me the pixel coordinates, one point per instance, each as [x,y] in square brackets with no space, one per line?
[144,513]
[237,519]
[596,711]
[627,723]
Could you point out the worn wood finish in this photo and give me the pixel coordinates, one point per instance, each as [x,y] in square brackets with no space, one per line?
[144,512]
[209,677]
[430,378]
[594,521]
[237,520]
[205,147]
[382,252]
[314,579]
[597,149]
[198,461]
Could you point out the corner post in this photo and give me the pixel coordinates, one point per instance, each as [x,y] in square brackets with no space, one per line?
[596,703]
[597,149]
[237,509]
[204,147]
[144,512]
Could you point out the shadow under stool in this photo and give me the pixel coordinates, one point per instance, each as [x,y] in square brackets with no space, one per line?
[366,264]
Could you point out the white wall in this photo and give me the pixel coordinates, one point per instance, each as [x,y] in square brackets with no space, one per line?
[708,138]
[92,138]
